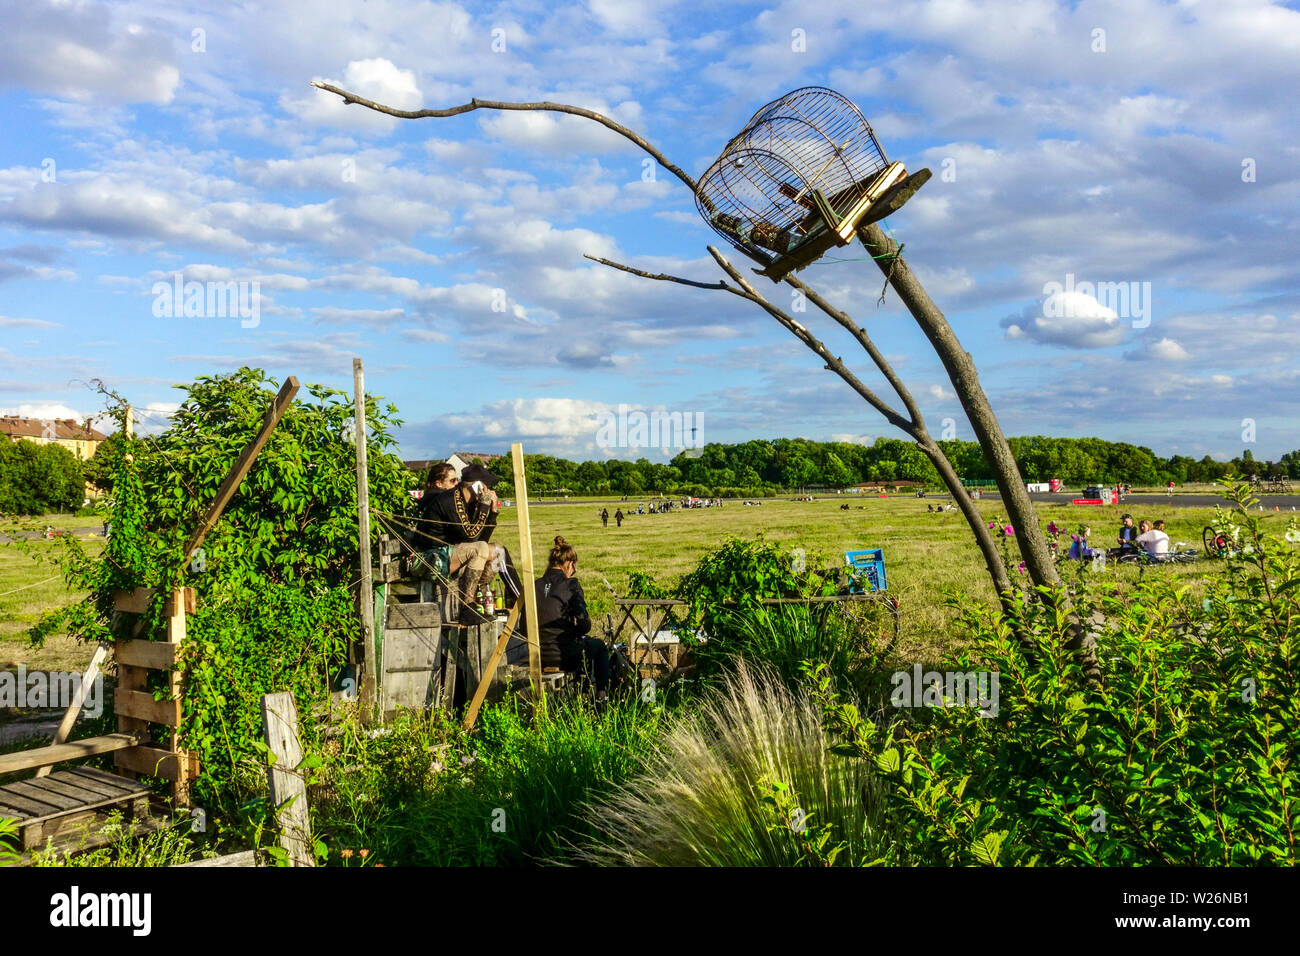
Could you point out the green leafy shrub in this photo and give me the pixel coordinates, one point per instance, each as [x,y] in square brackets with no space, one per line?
[747,778]
[274,583]
[1186,756]
[425,793]
[39,479]
[724,595]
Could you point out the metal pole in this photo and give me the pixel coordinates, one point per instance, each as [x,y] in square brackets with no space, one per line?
[366,598]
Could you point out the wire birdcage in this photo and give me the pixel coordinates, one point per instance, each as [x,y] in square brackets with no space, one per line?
[801,175]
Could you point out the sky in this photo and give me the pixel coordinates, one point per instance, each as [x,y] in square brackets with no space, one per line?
[1146,143]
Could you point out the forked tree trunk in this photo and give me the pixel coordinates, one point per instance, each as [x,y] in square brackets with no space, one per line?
[965,380]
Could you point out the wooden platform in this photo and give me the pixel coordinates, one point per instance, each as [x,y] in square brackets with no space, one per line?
[70,800]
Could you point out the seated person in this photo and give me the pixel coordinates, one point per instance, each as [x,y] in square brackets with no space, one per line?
[1127,534]
[1079,549]
[564,623]
[1153,539]
[458,521]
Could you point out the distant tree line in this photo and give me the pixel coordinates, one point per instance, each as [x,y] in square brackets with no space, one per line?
[758,468]
[38,479]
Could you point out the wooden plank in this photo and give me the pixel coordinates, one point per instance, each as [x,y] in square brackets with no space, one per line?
[411,668]
[450,638]
[243,858]
[107,783]
[365,597]
[526,565]
[58,785]
[74,706]
[187,601]
[288,791]
[242,465]
[36,790]
[130,679]
[33,808]
[33,811]
[142,706]
[413,615]
[156,762]
[57,753]
[490,669]
[153,655]
[133,602]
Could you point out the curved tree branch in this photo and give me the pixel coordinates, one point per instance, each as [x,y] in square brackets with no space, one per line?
[477,104]
[661,276]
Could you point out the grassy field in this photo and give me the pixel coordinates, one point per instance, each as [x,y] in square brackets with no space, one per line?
[927,556]
[31,584]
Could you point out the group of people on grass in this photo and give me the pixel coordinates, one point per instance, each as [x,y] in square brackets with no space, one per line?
[457,516]
[1146,536]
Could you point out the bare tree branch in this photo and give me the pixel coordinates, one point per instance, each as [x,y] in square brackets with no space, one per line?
[661,276]
[833,362]
[859,333]
[477,104]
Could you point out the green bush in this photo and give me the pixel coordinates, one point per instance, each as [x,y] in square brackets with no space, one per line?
[424,793]
[275,607]
[747,778]
[1186,756]
[724,594]
[39,479]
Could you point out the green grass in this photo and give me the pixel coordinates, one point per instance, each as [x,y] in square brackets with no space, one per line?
[30,585]
[927,555]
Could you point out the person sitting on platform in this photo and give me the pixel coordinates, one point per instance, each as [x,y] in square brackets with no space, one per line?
[564,623]
[456,524]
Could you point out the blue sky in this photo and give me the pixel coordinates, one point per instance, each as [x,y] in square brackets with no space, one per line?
[144,139]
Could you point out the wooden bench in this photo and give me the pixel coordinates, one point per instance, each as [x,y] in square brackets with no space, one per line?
[67,803]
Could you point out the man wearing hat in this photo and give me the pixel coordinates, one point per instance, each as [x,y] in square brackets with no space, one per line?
[463,518]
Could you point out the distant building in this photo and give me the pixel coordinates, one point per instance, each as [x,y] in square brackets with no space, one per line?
[458,461]
[461,459]
[81,440]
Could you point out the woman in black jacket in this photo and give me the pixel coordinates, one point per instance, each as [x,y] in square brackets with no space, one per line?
[564,623]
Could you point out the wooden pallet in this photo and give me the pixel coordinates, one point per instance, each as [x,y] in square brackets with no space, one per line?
[68,802]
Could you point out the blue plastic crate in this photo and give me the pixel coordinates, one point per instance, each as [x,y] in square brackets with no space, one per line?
[870,564]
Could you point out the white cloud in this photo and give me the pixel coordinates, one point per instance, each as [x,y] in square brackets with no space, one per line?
[1168,350]
[376,79]
[1071,319]
[83,51]
[6,322]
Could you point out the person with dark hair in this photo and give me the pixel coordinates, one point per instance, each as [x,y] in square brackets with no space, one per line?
[604,517]
[456,525]
[618,517]
[441,477]
[564,624]
[1127,535]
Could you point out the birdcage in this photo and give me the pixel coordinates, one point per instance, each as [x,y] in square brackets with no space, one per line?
[801,177]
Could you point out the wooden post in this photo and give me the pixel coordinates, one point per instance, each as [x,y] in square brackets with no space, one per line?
[490,669]
[175,611]
[242,465]
[74,706]
[528,597]
[369,675]
[280,717]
